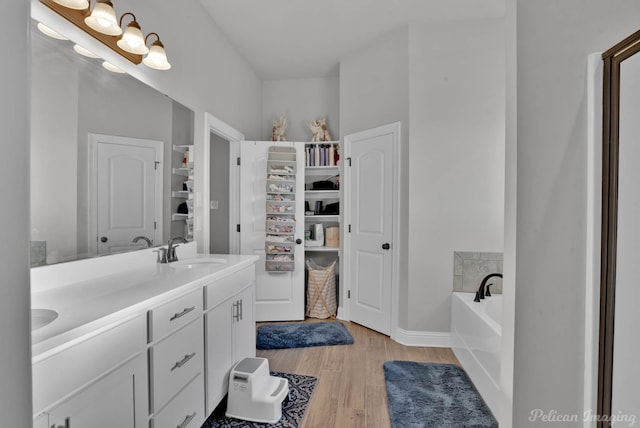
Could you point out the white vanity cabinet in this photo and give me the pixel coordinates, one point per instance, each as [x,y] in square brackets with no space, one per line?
[146,357]
[98,382]
[229,329]
[176,362]
[108,402]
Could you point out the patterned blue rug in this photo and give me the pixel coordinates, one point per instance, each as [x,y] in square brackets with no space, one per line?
[293,407]
[433,395]
[301,335]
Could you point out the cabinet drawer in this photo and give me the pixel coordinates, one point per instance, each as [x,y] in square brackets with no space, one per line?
[174,314]
[186,410]
[223,288]
[174,361]
[56,377]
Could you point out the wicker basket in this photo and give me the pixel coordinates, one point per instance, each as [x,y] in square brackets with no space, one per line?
[321,291]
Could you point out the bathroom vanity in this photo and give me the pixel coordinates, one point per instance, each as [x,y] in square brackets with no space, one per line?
[136,343]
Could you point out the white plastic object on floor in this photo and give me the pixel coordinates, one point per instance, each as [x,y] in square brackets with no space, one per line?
[255,395]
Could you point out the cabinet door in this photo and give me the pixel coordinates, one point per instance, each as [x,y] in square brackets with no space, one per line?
[110,401]
[244,334]
[218,326]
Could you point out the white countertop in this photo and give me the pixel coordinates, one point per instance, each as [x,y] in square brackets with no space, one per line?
[89,306]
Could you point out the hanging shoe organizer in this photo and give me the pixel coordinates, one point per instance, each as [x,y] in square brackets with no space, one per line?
[281,209]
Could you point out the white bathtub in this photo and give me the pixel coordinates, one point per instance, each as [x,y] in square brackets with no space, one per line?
[476,337]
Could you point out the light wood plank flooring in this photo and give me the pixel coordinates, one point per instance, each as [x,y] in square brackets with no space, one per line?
[350,390]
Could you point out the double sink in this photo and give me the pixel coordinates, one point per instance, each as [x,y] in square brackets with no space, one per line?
[41,317]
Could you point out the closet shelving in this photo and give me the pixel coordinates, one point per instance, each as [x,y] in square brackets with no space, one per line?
[322,168]
[182,189]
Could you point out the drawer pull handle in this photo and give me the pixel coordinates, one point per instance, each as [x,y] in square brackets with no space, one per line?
[183,361]
[183,313]
[187,420]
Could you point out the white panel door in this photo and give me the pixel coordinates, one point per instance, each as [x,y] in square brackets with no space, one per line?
[370,184]
[128,192]
[279,295]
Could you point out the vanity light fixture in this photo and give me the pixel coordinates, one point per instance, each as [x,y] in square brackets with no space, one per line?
[102,24]
[50,32]
[132,40]
[74,4]
[84,51]
[103,19]
[157,57]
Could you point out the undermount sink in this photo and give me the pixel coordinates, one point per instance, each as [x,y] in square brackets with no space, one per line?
[42,317]
[199,261]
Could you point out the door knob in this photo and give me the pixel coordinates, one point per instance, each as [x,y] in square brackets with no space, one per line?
[103,239]
[298,241]
[386,246]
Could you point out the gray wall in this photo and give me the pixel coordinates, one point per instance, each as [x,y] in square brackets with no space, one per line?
[15,352]
[219,220]
[374,91]
[301,100]
[554,39]
[444,81]
[54,149]
[456,166]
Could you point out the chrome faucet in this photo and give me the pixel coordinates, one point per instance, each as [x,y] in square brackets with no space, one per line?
[171,248]
[144,238]
[480,294]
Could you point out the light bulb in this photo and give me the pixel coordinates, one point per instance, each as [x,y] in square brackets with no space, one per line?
[112,67]
[84,51]
[132,40]
[103,19]
[50,32]
[157,57]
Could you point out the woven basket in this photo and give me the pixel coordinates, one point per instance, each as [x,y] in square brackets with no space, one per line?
[321,291]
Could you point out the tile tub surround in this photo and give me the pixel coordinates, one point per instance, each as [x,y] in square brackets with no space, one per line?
[469,268]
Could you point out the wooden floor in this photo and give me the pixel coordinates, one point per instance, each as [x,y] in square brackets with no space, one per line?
[350,390]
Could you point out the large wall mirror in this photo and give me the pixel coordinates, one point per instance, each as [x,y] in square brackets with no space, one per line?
[618,368]
[79,111]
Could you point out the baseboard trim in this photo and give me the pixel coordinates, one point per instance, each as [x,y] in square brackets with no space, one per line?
[431,339]
[342,314]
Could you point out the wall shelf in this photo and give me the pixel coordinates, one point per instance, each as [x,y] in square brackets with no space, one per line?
[181,194]
[178,216]
[182,171]
[323,249]
[322,217]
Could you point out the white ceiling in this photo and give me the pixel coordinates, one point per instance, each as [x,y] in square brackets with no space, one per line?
[286,39]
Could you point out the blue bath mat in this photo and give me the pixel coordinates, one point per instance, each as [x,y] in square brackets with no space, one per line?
[433,395]
[293,408]
[301,335]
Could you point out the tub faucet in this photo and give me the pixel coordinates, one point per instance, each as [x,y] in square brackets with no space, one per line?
[144,238]
[480,294]
[171,248]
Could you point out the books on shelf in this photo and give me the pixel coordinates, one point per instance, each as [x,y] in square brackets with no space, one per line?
[322,154]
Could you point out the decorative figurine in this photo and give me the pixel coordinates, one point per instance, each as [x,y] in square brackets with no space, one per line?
[319,130]
[279,128]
